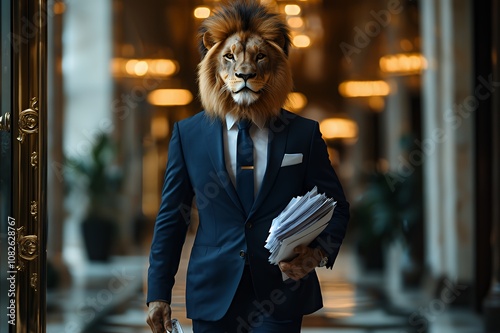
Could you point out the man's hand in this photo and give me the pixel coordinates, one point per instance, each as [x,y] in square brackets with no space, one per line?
[307,260]
[159,317]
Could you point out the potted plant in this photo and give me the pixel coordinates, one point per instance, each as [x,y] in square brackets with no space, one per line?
[389,210]
[100,179]
[381,216]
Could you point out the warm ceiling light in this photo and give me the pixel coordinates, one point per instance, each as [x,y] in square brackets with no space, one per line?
[295,22]
[135,67]
[141,68]
[163,67]
[406,45]
[116,66]
[292,10]
[364,88]
[339,128]
[159,128]
[170,97]
[403,63]
[150,67]
[59,8]
[202,12]
[296,102]
[301,41]
[130,66]
[376,103]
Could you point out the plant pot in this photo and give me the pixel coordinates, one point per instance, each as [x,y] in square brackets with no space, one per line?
[371,256]
[98,236]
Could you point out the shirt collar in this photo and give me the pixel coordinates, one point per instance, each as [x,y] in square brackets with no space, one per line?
[231,121]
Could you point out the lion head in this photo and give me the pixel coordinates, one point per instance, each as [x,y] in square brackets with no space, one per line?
[244,67]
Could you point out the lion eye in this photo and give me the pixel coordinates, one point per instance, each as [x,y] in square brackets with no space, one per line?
[229,56]
[260,56]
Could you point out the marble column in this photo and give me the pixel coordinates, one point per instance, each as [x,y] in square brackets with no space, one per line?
[88,92]
[447,90]
[492,303]
[430,121]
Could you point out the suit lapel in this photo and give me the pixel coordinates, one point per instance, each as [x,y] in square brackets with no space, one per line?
[278,134]
[215,147]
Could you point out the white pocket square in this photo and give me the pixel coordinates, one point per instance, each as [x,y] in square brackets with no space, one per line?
[291,159]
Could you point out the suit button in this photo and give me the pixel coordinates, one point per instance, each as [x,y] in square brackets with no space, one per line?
[242,254]
[249,225]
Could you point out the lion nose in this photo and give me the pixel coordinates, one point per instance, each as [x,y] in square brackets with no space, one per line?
[245,76]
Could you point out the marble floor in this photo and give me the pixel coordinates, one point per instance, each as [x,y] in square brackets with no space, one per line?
[109,298]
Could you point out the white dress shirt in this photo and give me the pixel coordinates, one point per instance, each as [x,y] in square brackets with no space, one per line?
[260,137]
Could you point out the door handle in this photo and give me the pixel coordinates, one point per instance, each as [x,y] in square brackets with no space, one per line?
[28,120]
[5,122]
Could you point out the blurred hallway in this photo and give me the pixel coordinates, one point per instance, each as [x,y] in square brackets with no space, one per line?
[406,94]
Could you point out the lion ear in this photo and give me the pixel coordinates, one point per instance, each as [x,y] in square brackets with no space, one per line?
[281,41]
[281,44]
[208,41]
[284,43]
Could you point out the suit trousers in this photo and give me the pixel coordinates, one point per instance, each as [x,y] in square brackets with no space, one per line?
[247,315]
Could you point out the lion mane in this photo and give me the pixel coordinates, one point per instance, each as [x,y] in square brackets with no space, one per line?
[244,46]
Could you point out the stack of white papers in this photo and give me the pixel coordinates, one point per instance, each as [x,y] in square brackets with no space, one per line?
[298,224]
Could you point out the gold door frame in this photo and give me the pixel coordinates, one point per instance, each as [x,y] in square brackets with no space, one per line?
[29,164]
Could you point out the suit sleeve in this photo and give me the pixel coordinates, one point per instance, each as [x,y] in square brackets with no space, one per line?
[171,224]
[320,173]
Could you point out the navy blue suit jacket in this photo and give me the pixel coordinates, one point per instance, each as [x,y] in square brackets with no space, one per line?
[196,168]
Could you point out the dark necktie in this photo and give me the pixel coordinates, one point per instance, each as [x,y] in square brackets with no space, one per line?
[244,165]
